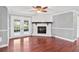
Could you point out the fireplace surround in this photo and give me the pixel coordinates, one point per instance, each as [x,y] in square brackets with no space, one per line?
[42,28]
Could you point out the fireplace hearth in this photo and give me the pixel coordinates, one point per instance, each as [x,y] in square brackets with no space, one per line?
[41,29]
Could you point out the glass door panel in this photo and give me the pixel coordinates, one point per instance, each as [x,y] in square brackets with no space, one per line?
[26,26]
[16,26]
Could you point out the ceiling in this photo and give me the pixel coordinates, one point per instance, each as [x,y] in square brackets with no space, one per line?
[51,9]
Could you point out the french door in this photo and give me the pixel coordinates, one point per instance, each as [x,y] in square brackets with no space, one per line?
[20,26]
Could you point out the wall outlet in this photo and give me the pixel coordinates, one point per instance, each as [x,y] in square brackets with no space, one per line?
[0,39]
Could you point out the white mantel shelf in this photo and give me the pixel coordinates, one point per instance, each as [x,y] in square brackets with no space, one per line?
[42,22]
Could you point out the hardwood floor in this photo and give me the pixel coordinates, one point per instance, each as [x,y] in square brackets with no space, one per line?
[40,44]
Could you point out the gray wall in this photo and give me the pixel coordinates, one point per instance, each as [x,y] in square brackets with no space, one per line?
[3,25]
[63,26]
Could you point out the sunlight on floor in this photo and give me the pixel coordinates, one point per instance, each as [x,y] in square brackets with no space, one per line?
[21,44]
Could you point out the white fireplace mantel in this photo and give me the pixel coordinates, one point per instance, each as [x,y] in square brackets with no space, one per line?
[48,26]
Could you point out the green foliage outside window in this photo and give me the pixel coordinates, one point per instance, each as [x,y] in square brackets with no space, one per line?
[26,24]
[16,25]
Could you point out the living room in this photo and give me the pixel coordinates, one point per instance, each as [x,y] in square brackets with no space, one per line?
[39,29]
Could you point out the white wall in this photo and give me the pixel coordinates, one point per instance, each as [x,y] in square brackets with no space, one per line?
[3,26]
[64,26]
[77,26]
[42,18]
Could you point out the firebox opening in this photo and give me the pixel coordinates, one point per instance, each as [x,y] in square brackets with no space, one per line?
[41,30]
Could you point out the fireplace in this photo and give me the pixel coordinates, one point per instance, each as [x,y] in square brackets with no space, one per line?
[41,29]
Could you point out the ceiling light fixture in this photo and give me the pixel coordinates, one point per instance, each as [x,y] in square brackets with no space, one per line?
[40,9]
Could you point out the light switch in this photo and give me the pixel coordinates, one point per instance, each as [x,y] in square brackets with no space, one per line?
[0,39]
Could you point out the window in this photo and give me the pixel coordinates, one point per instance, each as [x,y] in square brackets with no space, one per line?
[16,25]
[26,25]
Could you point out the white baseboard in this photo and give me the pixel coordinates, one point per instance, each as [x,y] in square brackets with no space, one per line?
[65,38]
[18,36]
[48,36]
[5,45]
[42,35]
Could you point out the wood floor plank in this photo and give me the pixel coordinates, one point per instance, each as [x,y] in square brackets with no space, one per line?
[40,44]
